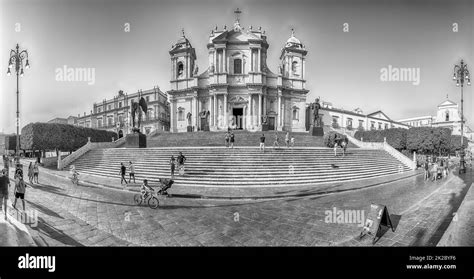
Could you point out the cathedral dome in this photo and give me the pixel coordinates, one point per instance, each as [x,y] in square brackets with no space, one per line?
[293,41]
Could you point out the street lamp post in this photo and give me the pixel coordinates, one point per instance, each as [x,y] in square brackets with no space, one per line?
[461,73]
[16,58]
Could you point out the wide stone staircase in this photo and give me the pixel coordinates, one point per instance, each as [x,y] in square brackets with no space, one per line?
[242,138]
[217,166]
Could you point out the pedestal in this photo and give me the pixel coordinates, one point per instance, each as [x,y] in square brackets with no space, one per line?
[135,140]
[264,127]
[316,131]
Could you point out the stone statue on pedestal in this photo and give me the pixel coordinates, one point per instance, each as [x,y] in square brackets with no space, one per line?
[315,108]
[316,129]
[138,107]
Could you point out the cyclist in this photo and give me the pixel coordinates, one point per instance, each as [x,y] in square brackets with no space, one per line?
[145,189]
[73,172]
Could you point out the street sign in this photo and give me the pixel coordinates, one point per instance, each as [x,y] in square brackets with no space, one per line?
[378,215]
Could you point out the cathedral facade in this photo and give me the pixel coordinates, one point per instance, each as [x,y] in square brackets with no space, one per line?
[237,90]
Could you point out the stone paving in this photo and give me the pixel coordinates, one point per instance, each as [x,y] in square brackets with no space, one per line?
[89,215]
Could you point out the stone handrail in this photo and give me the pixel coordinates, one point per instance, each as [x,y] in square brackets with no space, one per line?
[385,146]
[86,148]
[399,156]
[363,144]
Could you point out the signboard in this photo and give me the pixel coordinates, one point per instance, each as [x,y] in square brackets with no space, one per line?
[378,215]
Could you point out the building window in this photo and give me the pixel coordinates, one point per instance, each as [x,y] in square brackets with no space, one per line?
[120,118]
[238,66]
[180,71]
[109,107]
[180,114]
[335,123]
[386,126]
[294,68]
[110,121]
[380,126]
[296,113]
[99,122]
[372,125]
[120,104]
[349,123]
[447,116]
[361,123]
[98,109]
[147,99]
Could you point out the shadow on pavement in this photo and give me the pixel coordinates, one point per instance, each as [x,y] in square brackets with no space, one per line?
[45,210]
[54,233]
[454,202]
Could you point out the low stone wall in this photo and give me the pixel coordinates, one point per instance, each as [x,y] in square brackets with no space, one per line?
[49,162]
[62,164]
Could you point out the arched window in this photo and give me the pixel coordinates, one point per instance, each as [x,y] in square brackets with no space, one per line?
[238,66]
[180,71]
[294,67]
[181,114]
[295,113]
[447,116]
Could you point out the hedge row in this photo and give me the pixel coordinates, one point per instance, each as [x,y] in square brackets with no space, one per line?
[10,142]
[54,136]
[329,138]
[420,139]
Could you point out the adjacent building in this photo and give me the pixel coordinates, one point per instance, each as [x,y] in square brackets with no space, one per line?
[448,115]
[237,89]
[352,120]
[71,120]
[115,114]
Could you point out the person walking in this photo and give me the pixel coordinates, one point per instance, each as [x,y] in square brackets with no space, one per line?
[132,172]
[20,187]
[172,165]
[227,137]
[287,139]
[426,166]
[4,185]
[262,143]
[276,142]
[30,172]
[123,171]
[232,139]
[181,159]
[435,171]
[35,172]
[292,141]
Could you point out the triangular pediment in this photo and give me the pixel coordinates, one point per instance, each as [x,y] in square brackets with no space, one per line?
[236,36]
[447,103]
[380,115]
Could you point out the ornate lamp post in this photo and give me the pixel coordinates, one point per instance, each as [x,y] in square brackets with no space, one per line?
[461,74]
[16,59]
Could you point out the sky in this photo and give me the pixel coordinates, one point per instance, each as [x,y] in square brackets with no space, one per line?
[343,68]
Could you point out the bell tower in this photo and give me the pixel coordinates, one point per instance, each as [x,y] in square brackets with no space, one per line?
[292,61]
[183,59]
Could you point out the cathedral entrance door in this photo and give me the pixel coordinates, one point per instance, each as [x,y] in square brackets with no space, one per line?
[271,123]
[237,119]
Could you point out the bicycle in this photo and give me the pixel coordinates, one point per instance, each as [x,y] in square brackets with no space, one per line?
[150,198]
[75,179]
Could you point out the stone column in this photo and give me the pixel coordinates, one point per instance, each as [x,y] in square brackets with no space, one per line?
[251,60]
[224,60]
[214,112]
[225,110]
[279,111]
[249,112]
[259,67]
[259,117]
